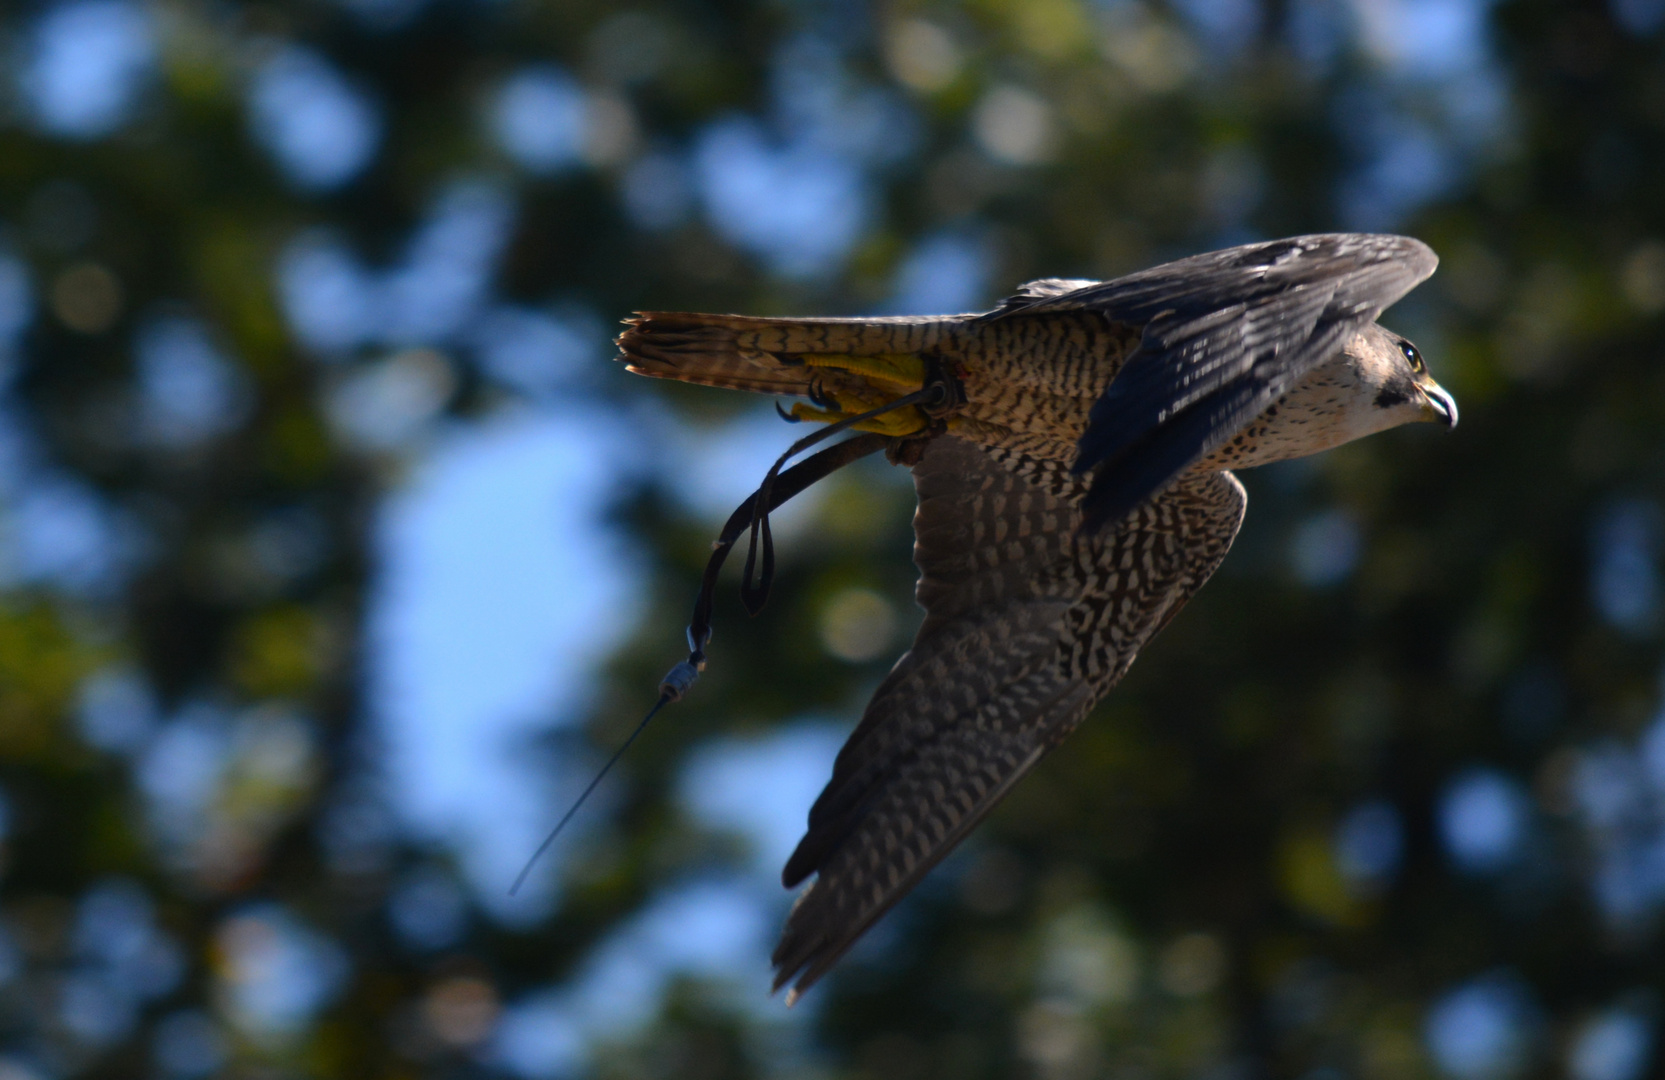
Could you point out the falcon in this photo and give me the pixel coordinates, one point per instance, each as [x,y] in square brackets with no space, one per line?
[1072,452]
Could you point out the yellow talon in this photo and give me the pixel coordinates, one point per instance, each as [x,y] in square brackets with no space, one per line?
[900,369]
[876,379]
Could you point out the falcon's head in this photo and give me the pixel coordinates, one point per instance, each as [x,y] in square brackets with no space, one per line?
[1402,390]
[1378,381]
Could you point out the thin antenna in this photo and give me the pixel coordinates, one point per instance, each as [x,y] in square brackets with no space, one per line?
[665,698]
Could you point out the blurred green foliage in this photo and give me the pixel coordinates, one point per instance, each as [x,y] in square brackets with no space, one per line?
[1169,895]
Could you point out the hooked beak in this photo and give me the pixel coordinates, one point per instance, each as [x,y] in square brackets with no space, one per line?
[1438,405]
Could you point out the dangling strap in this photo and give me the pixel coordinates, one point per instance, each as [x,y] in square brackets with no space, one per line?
[755,595]
[788,484]
[776,489]
[681,677]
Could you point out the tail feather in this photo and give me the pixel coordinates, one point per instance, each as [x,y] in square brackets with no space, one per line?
[763,355]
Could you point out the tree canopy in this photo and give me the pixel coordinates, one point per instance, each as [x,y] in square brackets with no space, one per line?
[335,554]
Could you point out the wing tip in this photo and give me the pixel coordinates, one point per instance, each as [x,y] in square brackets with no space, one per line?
[806,950]
[806,971]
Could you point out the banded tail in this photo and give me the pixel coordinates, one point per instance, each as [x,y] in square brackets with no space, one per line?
[769,356]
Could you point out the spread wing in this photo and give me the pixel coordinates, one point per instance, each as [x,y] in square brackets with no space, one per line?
[1029,622]
[1226,334]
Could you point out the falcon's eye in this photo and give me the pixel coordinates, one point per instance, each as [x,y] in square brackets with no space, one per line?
[1413,357]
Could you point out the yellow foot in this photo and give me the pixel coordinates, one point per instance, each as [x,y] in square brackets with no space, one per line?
[901,422]
[867,383]
[899,369]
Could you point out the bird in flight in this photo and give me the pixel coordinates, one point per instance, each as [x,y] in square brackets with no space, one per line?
[1071,450]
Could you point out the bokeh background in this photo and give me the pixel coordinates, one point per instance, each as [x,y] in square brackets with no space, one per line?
[335,553]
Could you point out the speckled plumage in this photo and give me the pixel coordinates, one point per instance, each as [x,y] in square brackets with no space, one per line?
[1029,622]
[1073,495]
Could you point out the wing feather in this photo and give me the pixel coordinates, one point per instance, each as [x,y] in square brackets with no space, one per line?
[1029,622]
[1226,334]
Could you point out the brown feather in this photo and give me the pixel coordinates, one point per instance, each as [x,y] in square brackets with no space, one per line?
[764,355]
[1028,623]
